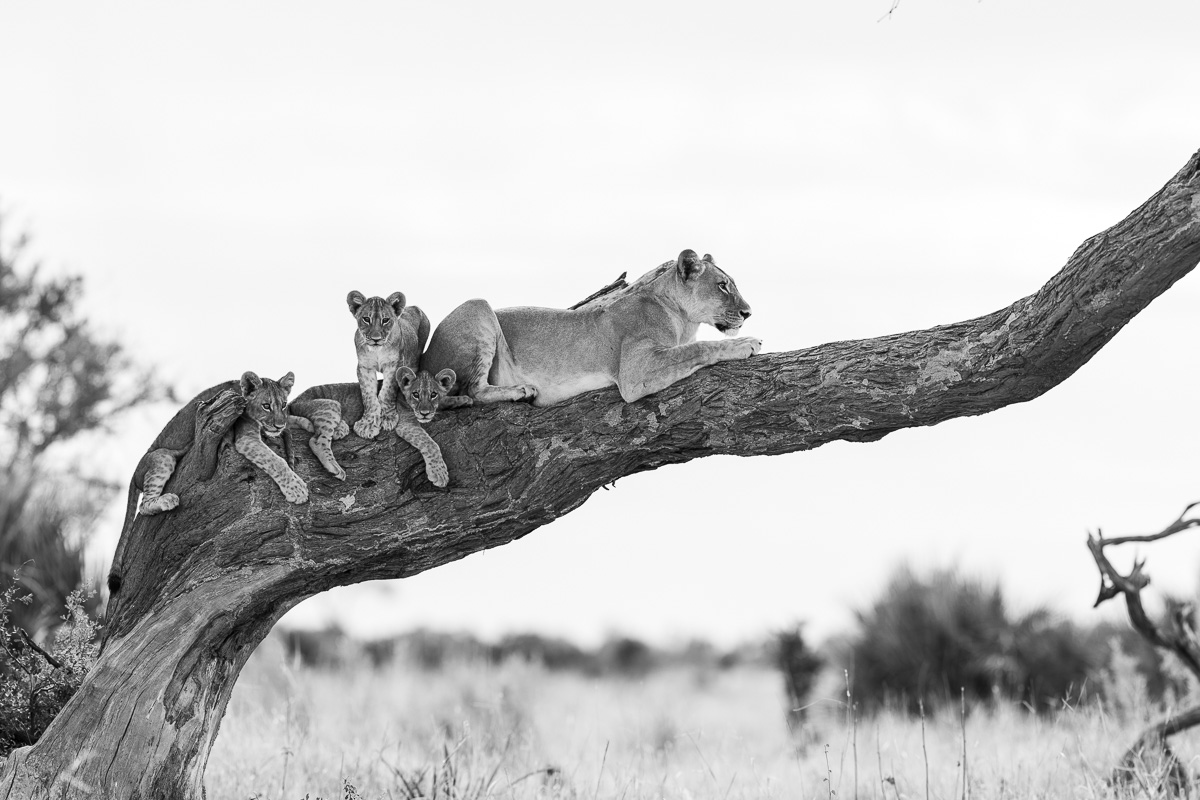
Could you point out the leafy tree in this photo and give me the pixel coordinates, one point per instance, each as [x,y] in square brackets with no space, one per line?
[58,378]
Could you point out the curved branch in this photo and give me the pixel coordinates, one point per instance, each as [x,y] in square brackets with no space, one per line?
[204,583]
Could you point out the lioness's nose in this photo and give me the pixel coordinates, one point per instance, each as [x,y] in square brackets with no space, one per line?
[746,314]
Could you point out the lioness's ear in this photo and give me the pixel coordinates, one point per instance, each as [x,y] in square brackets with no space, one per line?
[355,300]
[405,377]
[689,265]
[287,382]
[250,382]
[396,301]
[446,379]
[709,259]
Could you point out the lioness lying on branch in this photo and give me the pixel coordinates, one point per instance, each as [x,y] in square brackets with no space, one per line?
[640,338]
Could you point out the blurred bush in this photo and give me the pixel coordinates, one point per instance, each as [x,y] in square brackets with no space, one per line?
[928,636]
[800,666]
[35,681]
[58,379]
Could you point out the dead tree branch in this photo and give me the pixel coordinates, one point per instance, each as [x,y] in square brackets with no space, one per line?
[1176,634]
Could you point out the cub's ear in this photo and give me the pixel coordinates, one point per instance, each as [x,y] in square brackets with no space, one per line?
[250,382]
[355,300]
[396,301]
[287,382]
[446,379]
[405,377]
[689,265]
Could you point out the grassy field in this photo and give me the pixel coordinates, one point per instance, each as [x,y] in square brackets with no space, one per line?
[518,731]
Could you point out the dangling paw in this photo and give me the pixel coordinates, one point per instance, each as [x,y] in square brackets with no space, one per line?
[437,473]
[294,490]
[156,505]
[389,418]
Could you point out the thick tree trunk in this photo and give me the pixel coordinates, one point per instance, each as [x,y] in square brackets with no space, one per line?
[204,584]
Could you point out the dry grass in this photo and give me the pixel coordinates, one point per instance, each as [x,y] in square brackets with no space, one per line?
[517,731]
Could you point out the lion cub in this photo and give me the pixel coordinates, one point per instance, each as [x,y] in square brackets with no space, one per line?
[389,335]
[425,395]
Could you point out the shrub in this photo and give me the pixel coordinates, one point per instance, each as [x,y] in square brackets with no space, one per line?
[35,683]
[799,666]
[927,638]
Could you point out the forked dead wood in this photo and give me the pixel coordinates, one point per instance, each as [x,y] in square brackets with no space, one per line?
[204,584]
[1176,633]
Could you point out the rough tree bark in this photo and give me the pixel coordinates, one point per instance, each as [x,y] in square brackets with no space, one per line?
[204,584]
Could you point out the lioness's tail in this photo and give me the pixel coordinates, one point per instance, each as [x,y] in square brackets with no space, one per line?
[114,572]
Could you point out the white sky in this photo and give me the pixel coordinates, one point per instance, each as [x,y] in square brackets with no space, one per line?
[224,173]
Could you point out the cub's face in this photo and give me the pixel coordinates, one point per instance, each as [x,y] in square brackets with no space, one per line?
[424,392]
[376,317]
[711,295]
[266,401]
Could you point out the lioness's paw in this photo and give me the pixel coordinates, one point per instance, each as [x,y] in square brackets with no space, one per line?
[437,473]
[294,491]
[367,428]
[747,346]
[528,391]
[389,418]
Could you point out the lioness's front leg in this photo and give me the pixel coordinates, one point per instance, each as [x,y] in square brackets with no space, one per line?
[410,431]
[368,426]
[248,441]
[647,368]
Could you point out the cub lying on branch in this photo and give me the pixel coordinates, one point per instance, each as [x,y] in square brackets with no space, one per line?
[422,393]
[640,338]
[261,407]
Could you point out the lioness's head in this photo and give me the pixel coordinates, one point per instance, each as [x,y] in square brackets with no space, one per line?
[266,401]
[709,295]
[376,317]
[424,392]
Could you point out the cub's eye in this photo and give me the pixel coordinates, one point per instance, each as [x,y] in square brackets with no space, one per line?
[387,322]
[267,406]
[723,286]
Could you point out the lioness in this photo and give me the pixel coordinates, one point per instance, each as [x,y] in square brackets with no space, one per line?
[389,335]
[641,338]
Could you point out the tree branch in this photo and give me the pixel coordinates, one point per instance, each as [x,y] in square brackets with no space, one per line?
[204,583]
[1176,635]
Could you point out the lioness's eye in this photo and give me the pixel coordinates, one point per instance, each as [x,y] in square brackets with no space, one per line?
[723,286]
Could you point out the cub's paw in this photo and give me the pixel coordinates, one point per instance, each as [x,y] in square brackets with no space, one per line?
[389,418]
[294,491]
[437,473]
[156,505]
[367,427]
[342,430]
[338,473]
[746,346]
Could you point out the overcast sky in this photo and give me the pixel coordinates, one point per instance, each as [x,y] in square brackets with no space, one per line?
[223,174]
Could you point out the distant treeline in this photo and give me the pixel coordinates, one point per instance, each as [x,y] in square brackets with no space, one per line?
[928,639]
[432,650]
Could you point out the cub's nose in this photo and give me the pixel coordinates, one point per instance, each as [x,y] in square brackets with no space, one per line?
[745,314]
